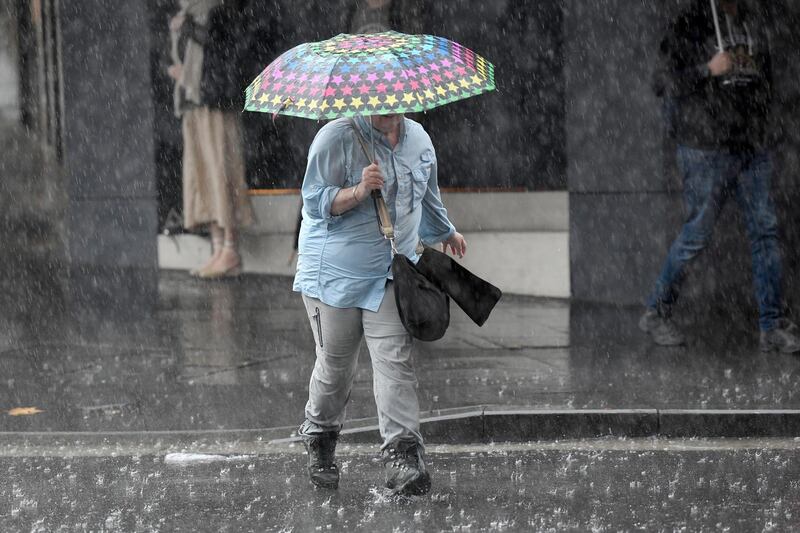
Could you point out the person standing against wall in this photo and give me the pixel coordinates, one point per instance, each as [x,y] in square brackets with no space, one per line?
[716,72]
[206,54]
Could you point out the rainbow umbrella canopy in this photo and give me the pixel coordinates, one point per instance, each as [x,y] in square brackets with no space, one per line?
[370,74]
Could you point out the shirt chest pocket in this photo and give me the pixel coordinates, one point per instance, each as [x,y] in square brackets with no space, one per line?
[420,175]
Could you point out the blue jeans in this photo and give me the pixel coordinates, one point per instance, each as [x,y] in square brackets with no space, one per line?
[709,177]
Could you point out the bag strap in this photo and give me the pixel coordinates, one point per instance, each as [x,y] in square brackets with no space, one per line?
[381,210]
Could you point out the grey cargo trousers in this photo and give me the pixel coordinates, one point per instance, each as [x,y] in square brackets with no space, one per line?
[338,333]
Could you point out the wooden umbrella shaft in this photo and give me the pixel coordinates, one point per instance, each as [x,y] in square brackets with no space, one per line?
[384,218]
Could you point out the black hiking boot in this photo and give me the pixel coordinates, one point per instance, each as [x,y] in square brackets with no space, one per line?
[321,449]
[405,469]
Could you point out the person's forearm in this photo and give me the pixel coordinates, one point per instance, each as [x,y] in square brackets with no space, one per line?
[347,199]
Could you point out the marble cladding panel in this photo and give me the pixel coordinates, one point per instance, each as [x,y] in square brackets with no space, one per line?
[108,109]
[114,232]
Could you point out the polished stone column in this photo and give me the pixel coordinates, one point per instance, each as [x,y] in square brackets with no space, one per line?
[108,147]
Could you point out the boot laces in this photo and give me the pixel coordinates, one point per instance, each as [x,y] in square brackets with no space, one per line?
[403,458]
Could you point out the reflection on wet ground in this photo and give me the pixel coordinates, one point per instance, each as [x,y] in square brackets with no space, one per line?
[238,354]
[517,488]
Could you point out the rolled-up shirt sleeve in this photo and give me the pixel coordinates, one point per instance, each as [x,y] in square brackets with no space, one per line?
[325,174]
[434,227]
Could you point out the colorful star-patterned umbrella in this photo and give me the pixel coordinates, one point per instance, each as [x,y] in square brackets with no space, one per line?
[371,74]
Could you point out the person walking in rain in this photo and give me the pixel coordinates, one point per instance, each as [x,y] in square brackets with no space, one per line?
[716,74]
[343,274]
[206,44]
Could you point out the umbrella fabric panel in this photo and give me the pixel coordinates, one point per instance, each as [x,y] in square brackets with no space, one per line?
[373,74]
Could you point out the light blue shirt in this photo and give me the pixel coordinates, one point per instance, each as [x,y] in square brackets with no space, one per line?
[344,261]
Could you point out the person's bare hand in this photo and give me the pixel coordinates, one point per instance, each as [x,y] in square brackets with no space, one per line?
[176,22]
[175,72]
[457,244]
[720,64]
[371,178]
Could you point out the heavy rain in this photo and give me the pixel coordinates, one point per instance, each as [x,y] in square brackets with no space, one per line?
[399,265]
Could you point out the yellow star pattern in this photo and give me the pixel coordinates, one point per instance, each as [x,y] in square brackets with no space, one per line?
[408,98]
[263,98]
[374,101]
[277,99]
[440,90]
[429,94]
[464,83]
[357,102]
[339,104]
[452,87]
[391,100]
[324,106]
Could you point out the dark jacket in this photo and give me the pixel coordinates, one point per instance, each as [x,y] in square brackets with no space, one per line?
[227,68]
[704,111]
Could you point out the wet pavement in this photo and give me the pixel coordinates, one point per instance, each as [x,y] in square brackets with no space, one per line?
[237,354]
[603,485]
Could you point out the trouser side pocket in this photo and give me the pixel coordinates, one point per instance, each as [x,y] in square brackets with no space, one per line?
[318,320]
